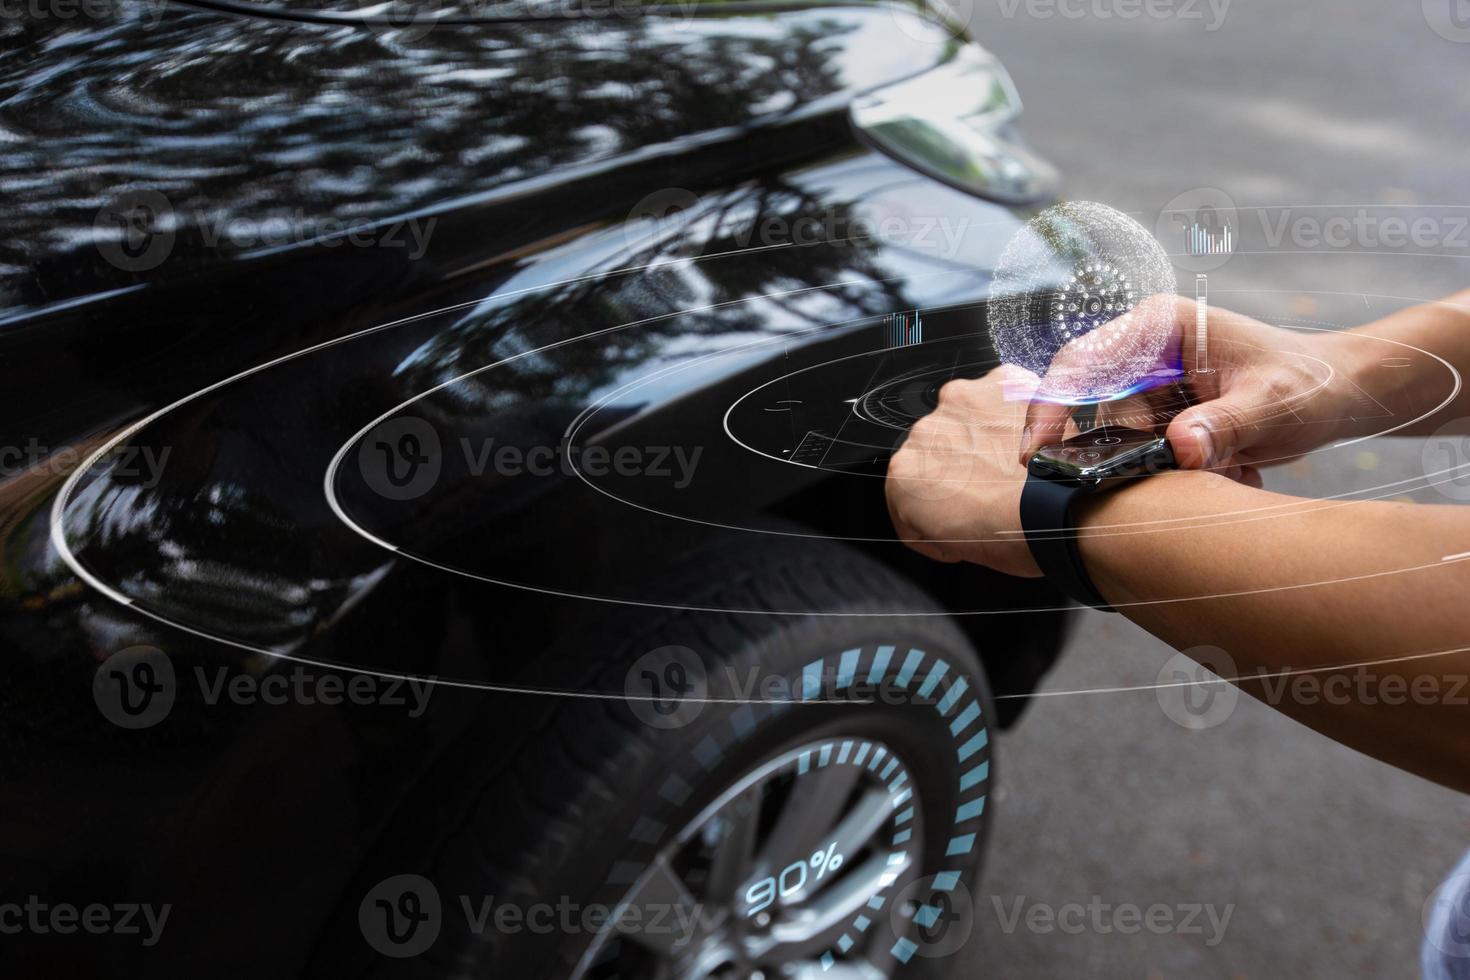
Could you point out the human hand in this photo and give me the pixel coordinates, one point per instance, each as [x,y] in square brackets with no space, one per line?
[1270,394]
[954,486]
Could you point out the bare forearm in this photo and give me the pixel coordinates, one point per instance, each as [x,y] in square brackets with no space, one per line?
[1286,584]
[1418,388]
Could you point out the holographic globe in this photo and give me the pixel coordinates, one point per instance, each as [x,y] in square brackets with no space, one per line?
[1068,302]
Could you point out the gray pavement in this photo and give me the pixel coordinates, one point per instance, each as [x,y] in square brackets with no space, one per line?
[1323,857]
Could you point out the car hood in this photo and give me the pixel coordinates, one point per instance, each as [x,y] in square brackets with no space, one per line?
[597,266]
[245,136]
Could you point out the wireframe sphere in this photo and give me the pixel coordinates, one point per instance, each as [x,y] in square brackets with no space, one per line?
[1068,302]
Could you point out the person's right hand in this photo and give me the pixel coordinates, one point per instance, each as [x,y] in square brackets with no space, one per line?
[1271,393]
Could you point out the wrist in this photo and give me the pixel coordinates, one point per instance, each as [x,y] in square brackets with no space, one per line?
[1406,390]
[1141,541]
[1356,369]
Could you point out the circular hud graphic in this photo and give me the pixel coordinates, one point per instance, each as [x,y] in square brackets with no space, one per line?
[1069,302]
[813,401]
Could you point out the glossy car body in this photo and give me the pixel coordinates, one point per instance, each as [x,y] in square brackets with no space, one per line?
[173,404]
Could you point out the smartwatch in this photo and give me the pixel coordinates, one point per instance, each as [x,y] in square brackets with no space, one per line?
[1060,474]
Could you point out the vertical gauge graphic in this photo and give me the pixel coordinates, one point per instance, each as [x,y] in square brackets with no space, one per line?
[1201,323]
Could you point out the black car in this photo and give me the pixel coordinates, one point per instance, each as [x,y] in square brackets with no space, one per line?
[441,509]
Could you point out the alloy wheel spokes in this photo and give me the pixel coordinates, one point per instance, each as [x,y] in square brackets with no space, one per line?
[783,875]
[663,893]
[851,834]
[735,852]
[815,803]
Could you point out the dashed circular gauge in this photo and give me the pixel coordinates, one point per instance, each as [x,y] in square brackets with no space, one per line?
[797,864]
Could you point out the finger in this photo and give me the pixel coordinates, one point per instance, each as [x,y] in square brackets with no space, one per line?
[1183,349]
[1075,367]
[1046,422]
[1210,435]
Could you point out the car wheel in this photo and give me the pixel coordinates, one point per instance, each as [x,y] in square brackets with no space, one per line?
[771,796]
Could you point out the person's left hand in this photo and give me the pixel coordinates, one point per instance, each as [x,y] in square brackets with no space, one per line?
[954,486]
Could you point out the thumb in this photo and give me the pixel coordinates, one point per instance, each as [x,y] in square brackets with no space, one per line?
[1209,436]
[1046,422]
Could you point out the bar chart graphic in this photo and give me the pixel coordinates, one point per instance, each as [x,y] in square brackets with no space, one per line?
[903,329]
[1199,240]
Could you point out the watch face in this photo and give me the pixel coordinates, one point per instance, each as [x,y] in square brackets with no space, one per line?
[1103,452]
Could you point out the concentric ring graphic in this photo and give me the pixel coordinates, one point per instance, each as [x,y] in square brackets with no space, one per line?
[879,404]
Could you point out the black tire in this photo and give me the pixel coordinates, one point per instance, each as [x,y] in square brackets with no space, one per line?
[587,801]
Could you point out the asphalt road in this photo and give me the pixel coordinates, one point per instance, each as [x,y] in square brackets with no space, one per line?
[1322,857]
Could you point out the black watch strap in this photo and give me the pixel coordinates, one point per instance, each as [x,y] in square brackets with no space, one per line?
[1046,514]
